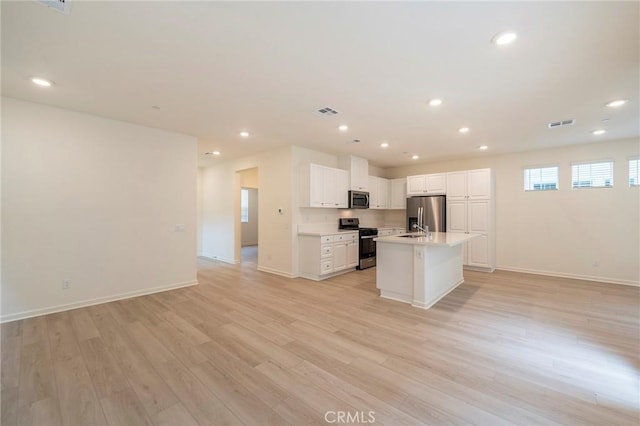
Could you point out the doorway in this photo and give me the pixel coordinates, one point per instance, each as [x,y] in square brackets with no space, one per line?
[249,216]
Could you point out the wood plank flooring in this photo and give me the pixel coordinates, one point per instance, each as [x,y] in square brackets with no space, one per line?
[245,347]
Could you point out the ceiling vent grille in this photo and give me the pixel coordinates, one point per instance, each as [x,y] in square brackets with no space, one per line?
[62,6]
[562,123]
[327,111]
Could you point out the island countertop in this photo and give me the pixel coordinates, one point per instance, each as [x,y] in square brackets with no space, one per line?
[449,239]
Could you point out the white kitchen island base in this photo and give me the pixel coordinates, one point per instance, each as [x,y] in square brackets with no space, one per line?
[419,271]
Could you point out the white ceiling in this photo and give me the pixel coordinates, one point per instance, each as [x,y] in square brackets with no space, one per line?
[217,68]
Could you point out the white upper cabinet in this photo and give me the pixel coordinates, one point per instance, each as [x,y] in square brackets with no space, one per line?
[324,187]
[457,185]
[469,184]
[416,185]
[398,199]
[479,184]
[435,183]
[358,169]
[378,193]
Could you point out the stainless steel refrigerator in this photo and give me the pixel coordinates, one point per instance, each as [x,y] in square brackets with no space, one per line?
[431,211]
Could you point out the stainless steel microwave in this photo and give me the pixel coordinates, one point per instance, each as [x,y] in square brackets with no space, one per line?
[358,200]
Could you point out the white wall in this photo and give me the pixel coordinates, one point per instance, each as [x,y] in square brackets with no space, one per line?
[561,232]
[94,201]
[220,217]
[250,228]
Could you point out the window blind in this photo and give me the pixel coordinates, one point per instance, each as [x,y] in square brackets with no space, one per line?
[592,175]
[541,178]
[634,177]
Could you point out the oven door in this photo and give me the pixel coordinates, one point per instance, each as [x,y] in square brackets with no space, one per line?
[367,246]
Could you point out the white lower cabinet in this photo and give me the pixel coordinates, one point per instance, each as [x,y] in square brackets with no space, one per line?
[323,256]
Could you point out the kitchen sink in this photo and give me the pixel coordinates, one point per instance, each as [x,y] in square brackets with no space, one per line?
[412,236]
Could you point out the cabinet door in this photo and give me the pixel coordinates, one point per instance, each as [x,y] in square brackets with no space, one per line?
[373,193]
[478,251]
[457,216]
[478,216]
[479,184]
[416,185]
[352,254]
[383,193]
[359,174]
[341,192]
[329,187]
[398,194]
[456,185]
[436,183]
[316,185]
[339,256]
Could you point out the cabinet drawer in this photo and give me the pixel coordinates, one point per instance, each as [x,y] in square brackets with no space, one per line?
[345,237]
[326,251]
[326,267]
[326,239]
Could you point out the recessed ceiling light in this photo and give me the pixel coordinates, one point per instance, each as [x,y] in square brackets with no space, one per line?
[244,134]
[212,153]
[343,128]
[415,157]
[599,132]
[384,145]
[463,129]
[41,82]
[504,38]
[616,103]
[483,147]
[435,102]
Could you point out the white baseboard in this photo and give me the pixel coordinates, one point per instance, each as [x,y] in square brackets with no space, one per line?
[277,272]
[210,256]
[573,276]
[90,302]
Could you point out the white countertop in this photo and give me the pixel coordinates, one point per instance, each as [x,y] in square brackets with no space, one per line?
[320,233]
[436,239]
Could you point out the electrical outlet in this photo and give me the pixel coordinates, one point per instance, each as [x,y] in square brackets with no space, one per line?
[66,284]
[180,227]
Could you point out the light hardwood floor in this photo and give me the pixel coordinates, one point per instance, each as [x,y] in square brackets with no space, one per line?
[245,347]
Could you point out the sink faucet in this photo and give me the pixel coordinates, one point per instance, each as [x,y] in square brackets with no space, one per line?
[425,230]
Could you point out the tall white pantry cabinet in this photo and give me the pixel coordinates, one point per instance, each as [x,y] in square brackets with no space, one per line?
[470,209]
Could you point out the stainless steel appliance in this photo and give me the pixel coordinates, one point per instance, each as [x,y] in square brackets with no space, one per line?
[366,245]
[358,200]
[429,211]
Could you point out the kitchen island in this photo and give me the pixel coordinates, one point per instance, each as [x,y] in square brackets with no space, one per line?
[420,270]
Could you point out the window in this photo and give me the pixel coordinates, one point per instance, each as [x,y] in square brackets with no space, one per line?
[541,178]
[634,176]
[244,205]
[592,175]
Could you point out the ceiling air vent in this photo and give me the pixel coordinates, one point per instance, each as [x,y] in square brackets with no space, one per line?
[62,6]
[562,123]
[327,111]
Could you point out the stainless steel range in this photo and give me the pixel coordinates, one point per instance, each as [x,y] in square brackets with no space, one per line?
[366,246]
